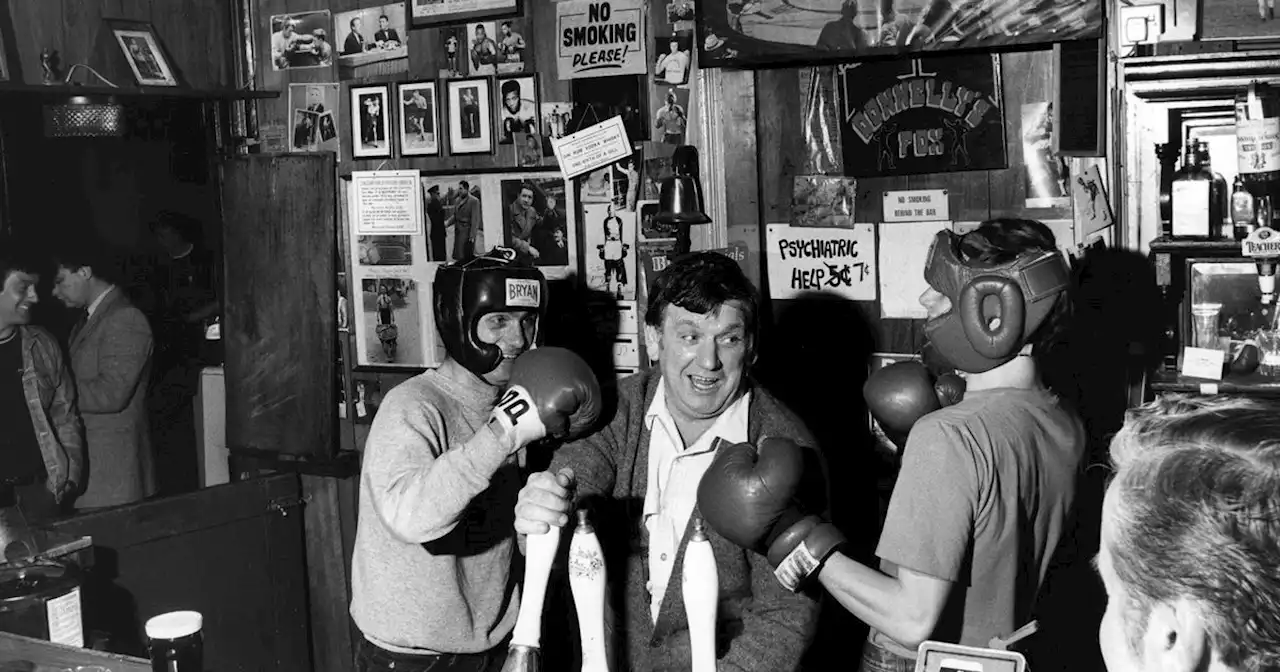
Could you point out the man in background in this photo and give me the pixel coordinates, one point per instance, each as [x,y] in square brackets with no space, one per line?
[1191,538]
[512,45]
[187,297]
[466,221]
[518,113]
[673,66]
[522,220]
[386,37]
[355,42]
[671,120]
[111,358]
[484,52]
[436,215]
[41,442]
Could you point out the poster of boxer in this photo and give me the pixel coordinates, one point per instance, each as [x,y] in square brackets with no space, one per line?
[933,114]
[609,242]
[744,33]
[519,110]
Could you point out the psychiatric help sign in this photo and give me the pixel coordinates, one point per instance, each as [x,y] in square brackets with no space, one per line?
[810,259]
[600,39]
[933,114]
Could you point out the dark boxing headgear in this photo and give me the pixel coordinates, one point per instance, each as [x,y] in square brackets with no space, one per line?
[1021,293]
[466,292]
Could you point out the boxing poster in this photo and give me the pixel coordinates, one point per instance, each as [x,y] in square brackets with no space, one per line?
[934,114]
[609,242]
[744,33]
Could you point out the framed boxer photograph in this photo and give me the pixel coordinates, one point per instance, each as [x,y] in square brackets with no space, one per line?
[419,119]
[470,116]
[141,47]
[424,13]
[370,115]
[482,49]
[518,112]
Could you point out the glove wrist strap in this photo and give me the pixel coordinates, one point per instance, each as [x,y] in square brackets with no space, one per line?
[808,556]
[515,419]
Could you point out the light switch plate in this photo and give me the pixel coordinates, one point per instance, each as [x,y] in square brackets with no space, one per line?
[626,351]
[1142,24]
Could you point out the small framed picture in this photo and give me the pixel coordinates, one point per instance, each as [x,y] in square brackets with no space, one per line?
[424,13]
[519,110]
[419,119]
[143,51]
[470,116]
[370,116]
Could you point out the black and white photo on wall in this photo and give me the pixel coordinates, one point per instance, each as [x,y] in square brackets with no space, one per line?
[315,110]
[1237,19]
[301,40]
[372,35]
[370,115]
[512,46]
[1048,181]
[534,221]
[419,119]
[425,13]
[673,58]
[601,98]
[366,397]
[528,149]
[928,114]
[518,112]
[744,33]
[671,119]
[555,123]
[391,319]
[470,115]
[455,217]
[453,42]
[146,56]
[482,48]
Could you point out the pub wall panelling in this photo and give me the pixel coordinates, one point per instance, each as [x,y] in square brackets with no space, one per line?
[1027,77]
[198,35]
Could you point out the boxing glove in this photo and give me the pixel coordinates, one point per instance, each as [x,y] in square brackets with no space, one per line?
[900,394]
[552,393]
[751,498]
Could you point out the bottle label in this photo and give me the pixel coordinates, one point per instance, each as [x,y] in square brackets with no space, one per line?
[1191,208]
[1258,145]
[65,620]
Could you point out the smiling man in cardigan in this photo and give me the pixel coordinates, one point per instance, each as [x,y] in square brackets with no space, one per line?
[640,475]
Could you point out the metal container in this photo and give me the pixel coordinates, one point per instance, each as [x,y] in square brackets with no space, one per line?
[42,601]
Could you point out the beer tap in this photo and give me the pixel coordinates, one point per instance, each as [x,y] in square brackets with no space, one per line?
[1263,246]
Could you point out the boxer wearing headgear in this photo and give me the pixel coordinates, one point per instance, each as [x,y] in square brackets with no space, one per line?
[431,572]
[982,495]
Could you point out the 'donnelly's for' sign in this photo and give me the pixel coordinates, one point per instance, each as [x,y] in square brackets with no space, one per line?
[600,39]
[933,114]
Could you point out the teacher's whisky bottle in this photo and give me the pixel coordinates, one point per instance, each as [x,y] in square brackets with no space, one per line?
[1192,196]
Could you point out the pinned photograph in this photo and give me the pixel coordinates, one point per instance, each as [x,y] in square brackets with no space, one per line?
[671,121]
[609,242]
[555,121]
[470,116]
[681,14]
[511,46]
[650,228]
[673,59]
[454,41]
[319,102]
[372,42]
[657,167]
[455,219]
[482,49]
[344,305]
[365,399]
[601,98]
[301,40]
[419,119]
[818,200]
[528,147]
[597,186]
[626,181]
[385,250]
[534,222]
[370,121]
[1048,182]
[519,110]
[390,317]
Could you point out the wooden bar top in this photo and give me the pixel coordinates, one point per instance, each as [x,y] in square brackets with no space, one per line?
[35,655]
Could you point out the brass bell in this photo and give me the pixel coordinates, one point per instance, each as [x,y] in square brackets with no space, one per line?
[680,195]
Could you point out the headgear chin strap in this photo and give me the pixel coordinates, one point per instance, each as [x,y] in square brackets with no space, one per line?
[1021,293]
[466,292]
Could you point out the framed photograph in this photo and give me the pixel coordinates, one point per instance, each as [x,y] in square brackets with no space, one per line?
[673,59]
[419,119]
[141,47]
[535,223]
[1234,20]
[519,110]
[752,33]
[482,49]
[301,40]
[372,42]
[370,116]
[456,55]
[470,116]
[426,13]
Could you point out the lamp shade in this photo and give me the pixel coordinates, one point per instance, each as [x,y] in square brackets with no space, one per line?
[680,195]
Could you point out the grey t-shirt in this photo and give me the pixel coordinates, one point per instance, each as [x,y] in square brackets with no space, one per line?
[981,500]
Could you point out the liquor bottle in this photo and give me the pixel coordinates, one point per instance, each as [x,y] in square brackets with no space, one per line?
[1258,139]
[1219,197]
[1242,210]
[1191,193]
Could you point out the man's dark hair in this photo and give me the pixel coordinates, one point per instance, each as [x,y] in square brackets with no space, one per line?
[384,16]
[700,283]
[92,253]
[1002,240]
[506,24]
[510,86]
[464,184]
[18,256]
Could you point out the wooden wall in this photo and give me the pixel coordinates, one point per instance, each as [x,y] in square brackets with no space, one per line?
[197,34]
